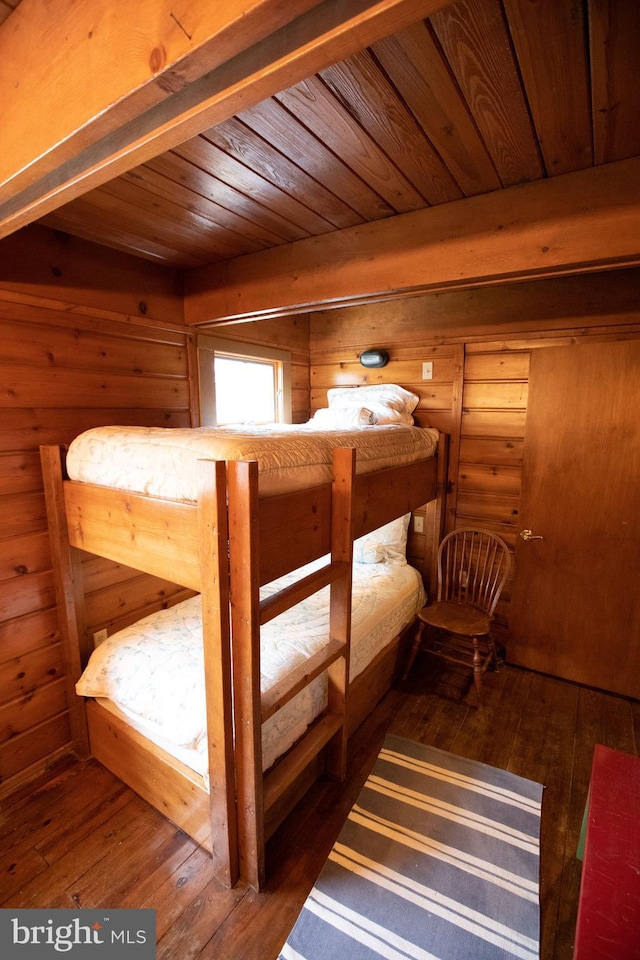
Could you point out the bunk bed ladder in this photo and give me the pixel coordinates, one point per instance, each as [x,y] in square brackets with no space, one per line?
[340,604]
[257,795]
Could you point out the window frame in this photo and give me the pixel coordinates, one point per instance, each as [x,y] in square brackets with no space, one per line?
[209,346]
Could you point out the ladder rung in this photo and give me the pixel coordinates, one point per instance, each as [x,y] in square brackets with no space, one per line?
[285,689]
[288,597]
[297,759]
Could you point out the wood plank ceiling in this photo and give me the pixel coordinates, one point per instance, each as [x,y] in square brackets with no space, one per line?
[483,95]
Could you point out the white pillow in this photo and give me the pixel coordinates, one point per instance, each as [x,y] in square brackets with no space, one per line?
[389,394]
[388,402]
[382,413]
[387,544]
[342,418]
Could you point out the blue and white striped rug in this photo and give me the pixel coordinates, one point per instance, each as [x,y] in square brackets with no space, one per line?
[438,860]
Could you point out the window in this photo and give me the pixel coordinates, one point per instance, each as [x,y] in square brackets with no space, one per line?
[243,383]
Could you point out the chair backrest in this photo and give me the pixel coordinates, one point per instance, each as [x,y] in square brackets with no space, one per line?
[473,566]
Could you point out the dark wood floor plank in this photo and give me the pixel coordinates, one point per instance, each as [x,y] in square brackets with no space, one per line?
[11,798]
[51,889]
[81,823]
[411,708]
[590,729]
[49,803]
[619,731]
[567,912]
[506,718]
[476,735]
[559,750]
[122,872]
[177,890]
[189,936]
[525,758]
[28,859]
[439,703]
[17,869]
[440,724]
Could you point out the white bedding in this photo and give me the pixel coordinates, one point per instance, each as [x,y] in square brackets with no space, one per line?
[161,461]
[153,670]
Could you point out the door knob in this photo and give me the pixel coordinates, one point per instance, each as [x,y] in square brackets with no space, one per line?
[529,535]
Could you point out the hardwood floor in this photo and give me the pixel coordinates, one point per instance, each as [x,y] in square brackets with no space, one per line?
[82,839]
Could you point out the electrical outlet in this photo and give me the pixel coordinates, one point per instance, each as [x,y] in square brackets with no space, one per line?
[418,524]
[99,636]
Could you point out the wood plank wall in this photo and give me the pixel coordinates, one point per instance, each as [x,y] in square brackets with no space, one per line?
[87,337]
[480,342]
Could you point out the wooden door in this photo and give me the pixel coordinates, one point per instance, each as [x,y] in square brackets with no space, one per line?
[575,610]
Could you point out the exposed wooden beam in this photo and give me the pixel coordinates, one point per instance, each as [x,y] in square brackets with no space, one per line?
[582,221]
[69,80]
[100,89]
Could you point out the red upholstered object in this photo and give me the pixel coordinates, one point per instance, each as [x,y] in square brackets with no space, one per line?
[608,925]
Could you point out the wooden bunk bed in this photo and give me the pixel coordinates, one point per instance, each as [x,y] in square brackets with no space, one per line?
[225,546]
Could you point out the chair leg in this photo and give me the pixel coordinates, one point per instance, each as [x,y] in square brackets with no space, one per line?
[477,669]
[413,653]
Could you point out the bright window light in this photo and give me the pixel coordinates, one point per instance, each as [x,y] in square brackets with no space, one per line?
[242,382]
[246,390]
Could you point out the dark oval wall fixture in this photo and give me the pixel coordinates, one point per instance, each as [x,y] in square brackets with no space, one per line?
[374,358]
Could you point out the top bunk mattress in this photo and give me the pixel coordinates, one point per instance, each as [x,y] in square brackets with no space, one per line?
[162,461]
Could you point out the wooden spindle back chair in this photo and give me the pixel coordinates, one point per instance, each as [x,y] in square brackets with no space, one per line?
[473,566]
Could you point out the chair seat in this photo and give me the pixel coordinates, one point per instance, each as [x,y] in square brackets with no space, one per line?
[460,618]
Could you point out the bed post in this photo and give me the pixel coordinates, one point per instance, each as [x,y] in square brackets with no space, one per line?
[214,565]
[436,514]
[245,625]
[344,468]
[67,578]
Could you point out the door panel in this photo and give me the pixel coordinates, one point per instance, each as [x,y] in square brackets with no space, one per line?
[575,610]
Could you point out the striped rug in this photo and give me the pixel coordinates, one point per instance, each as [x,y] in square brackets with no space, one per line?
[438,860]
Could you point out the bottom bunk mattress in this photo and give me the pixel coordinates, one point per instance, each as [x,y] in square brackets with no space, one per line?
[152,673]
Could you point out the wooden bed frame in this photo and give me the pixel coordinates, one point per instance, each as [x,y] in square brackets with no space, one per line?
[225,547]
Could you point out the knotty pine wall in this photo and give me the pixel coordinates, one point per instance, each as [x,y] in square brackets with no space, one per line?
[87,337]
[480,342]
